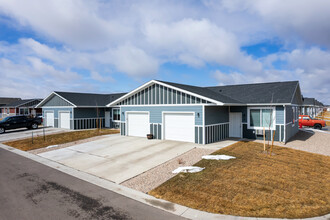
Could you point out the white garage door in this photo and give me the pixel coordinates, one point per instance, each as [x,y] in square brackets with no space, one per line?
[64,118]
[179,127]
[49,119]
[138,124]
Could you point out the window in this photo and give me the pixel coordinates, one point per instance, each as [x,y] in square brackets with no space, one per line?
[261,118]
[23,111]
[116,114]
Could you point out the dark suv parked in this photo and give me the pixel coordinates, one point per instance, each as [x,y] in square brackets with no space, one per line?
[13,122]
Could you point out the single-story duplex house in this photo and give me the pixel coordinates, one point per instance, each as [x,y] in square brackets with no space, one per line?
[205,115]
[73,110]
[4,101]
[22,107]
[311,107]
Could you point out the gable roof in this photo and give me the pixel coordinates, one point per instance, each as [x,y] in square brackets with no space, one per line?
[19,103]
[243,94]
[85,99]
[260,93]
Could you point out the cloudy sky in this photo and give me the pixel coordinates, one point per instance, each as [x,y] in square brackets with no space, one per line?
[115,46]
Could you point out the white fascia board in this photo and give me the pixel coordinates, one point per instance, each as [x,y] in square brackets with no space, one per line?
[166,85]
[44,100]
[54,93]
[268,104]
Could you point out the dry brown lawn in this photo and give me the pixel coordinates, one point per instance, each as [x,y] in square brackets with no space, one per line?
[289,184]
[56,139]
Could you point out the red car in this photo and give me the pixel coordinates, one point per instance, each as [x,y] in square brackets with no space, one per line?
[306,120]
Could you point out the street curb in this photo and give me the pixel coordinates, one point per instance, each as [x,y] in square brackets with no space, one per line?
[173,208]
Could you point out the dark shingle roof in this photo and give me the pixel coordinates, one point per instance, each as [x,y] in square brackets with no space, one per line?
[204,92]
[274,92]
[19,103]
[257,93]
[5,100]
[89,99]
[309,101]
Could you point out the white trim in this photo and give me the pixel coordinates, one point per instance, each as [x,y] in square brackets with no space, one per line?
[126,121]
[203,111]
[163,84]
[260,128]
[284,123]
[155,105]
[176,112]
[42,102]
[220,123]
[268,104]
[71,107]
[280,136]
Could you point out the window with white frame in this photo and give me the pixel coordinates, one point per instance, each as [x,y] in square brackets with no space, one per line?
[261,117]
[116,114]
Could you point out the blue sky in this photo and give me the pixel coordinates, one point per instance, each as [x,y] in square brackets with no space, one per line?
[115,46]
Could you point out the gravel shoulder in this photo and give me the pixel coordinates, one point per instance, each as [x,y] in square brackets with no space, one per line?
[160,174]
[308,140]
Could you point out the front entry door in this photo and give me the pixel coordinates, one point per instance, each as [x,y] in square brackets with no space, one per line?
[235,124]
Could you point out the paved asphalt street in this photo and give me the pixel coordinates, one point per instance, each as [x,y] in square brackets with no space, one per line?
[30,190]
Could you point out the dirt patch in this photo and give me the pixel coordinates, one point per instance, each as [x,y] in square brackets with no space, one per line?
[158,175]
[58,139]
[289,184]
[43,150]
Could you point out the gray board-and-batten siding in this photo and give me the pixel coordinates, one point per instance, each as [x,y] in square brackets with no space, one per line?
[158,94]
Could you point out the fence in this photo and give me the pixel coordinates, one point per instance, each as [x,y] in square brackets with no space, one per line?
[88,123]
[216,132]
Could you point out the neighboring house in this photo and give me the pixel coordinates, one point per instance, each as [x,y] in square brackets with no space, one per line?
[21,107]
[205,115]
[4,101]
[311,107]
[72,110]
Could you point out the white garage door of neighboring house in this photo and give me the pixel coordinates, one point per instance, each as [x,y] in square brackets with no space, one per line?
[49,119]
[64,120]
[179,127]
[138,124]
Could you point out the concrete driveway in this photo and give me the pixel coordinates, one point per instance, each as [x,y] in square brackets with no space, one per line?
[21,133]
[118,158]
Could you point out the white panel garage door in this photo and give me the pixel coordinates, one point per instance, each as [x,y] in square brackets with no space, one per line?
[64,118]
[138,124]
[179,127]
[49,119]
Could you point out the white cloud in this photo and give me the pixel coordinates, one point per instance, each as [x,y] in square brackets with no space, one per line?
[76,23]
[311,67]
[133,61]
[196,42]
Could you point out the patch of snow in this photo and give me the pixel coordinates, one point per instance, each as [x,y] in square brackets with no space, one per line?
[51,146]
[190,169]
[218,157]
